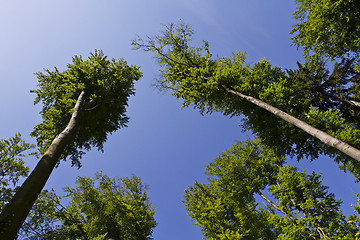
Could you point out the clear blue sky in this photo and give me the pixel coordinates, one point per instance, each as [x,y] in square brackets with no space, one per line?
[165,146]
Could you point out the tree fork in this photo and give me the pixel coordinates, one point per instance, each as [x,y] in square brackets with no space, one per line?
[15,212]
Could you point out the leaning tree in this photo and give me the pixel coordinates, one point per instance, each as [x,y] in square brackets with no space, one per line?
[81,106]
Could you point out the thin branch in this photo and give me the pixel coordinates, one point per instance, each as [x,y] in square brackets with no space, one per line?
[33,229]
[315,221]
[276,206]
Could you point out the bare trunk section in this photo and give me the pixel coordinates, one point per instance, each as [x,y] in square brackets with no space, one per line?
[322,136]
[16,211]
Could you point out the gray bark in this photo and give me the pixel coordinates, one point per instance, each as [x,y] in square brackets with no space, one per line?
[16,211]
[322,136]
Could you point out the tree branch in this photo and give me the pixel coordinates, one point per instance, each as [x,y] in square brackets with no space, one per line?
[276,206]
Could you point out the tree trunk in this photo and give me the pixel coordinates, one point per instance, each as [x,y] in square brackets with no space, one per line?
[16,211]
[322,136]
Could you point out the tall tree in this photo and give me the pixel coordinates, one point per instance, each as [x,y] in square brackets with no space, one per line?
[261,92]
[229,206]
[100,208]
[81,106]
[329,28]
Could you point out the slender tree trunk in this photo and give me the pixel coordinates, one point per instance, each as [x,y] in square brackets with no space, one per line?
[322,136]
[16,211]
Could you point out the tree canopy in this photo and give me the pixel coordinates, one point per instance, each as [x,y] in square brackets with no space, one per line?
[99,208]
[107,85]
[288,110]
[230,205]
[327,28]
[209,84]
[251,192]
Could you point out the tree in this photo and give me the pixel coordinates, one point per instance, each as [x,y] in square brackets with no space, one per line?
[81,106]
[261,92]
[300,207]
[100,208]
[327,28]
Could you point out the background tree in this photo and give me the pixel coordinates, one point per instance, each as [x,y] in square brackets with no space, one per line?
[100,208]
[225,207]
[12,168]
[81,106]
[327,28]
[229,205]
[338,90]
[260,92]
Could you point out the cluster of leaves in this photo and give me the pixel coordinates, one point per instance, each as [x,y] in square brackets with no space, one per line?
[227,207]
[201,81]
[327,28]
[107,85]
[12,152]
[100,208]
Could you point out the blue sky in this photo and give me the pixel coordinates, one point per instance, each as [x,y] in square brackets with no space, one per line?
[166,146]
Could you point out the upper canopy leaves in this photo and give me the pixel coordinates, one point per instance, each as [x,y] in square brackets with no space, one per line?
[202,81]
[328,27]
[107,85]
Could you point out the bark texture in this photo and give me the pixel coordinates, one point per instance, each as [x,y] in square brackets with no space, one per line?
[16,211]
[322,136]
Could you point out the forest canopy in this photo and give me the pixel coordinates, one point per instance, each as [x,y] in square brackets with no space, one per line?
[295,111]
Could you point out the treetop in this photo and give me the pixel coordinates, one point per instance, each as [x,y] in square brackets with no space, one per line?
[107,85]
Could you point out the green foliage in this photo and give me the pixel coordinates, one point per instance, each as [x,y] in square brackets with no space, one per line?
[228,205]
[338,91]
[100,208]
[328,27]
[12,168]
[336,126]
[199,80]
[43,220]
[107,85]
[306,198]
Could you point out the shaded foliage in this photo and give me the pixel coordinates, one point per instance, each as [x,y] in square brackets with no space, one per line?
[338,90]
